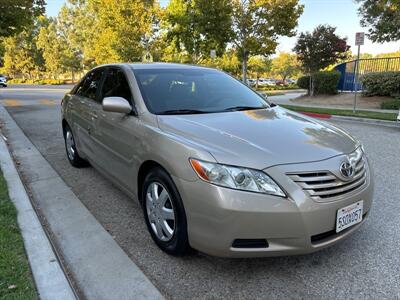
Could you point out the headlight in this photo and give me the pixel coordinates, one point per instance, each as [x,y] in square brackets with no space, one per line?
[236,178]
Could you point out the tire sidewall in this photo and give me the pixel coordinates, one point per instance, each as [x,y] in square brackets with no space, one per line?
[178,245]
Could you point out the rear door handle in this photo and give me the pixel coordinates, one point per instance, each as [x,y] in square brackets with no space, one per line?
[94,116]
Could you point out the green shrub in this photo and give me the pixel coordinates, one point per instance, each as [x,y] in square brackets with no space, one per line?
[325,82]
[381,84]
[391,104]
[304,82]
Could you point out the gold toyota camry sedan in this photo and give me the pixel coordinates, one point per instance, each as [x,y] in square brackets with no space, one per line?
[215,166]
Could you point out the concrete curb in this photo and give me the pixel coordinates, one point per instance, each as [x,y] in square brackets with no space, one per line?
[352,119]
[99,268]
[48,275]
[366,121]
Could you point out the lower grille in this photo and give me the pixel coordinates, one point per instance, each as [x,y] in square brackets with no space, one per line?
[250,243]
[328,235]
[324,185]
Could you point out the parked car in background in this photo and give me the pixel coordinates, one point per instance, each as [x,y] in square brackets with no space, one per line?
[290,81]
[280,82]
[3,80]
[214,165]
[251,82]
[266,82]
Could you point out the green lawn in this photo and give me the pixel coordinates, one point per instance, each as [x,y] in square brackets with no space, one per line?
[343,112]
[15,276]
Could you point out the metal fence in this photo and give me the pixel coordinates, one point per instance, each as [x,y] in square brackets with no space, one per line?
[365,65]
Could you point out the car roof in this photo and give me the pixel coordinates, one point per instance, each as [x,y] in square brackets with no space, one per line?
[157,65]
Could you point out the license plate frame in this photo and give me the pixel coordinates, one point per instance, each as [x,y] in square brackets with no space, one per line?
[349,215]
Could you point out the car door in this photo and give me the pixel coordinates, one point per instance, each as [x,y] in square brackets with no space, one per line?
[117,134]
[86,107]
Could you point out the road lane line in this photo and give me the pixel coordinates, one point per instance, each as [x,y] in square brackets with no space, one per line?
[12,102]
[47,102]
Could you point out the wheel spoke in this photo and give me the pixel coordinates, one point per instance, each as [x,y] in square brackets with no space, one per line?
[167,230]
[159,231]
[163,197]
[154,191]
[151,217]
[167,213]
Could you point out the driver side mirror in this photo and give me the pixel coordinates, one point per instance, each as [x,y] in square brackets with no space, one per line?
[117,105]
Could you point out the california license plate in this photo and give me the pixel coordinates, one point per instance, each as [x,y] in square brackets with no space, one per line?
[349,216]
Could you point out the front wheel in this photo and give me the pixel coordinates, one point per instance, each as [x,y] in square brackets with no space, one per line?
[164,213]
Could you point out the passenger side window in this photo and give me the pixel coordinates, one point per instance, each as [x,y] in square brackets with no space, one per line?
[88,87]
[116,85]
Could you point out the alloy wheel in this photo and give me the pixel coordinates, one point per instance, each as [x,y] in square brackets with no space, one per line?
[70,143]
[160,211]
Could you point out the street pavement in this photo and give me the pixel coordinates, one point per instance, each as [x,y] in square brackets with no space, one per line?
[366,265]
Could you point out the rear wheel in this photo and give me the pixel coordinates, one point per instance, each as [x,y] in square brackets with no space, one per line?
[164,212]
[70,146]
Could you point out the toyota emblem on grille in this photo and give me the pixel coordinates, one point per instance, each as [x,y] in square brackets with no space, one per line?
[347,170]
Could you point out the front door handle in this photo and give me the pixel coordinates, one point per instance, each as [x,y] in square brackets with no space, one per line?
[89,130]
[94,116]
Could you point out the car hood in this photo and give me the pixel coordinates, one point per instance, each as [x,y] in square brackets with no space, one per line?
[260,138]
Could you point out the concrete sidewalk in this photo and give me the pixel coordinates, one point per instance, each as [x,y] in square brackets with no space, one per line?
[287,98]
[99,268]
[50,280]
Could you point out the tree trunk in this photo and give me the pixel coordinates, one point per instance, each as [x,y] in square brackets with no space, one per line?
[244,69]
[311,88]
[257,81]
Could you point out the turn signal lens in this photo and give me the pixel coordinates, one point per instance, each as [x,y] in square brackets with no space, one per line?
[236,177]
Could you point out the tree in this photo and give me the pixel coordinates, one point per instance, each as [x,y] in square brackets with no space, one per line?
[383,19]
[53,48]
[258,65]
[197,26]
[319,49]
[285,65]
[21,55]
[120,26]
[257,25]
[18,15]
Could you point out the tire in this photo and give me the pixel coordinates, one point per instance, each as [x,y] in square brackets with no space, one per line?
[70,147]
[159,211]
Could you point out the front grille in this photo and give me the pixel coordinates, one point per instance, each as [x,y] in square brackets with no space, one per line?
[324,185]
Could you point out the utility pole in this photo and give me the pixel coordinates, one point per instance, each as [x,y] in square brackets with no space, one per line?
[359,42]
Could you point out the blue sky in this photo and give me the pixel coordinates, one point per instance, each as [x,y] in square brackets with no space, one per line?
[339,13]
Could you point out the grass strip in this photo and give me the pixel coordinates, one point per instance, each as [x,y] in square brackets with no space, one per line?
[16,280]
[344,112]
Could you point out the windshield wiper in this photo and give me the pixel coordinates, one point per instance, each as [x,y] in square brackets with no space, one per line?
[239,108]
[182,112]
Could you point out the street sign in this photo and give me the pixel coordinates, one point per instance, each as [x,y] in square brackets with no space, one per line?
[213,53]
[360,38]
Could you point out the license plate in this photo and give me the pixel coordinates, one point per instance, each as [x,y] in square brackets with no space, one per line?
[349,216]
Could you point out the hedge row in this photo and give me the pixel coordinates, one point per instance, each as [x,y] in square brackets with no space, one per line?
[35,81]
[381,84]
[324,82]
[391,104]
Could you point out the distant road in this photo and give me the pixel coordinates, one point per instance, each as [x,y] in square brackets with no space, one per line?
[30,94]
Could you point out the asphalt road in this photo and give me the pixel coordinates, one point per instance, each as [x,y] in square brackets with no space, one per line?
[366,265]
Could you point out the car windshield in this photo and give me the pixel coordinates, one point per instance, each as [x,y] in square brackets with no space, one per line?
[189,91]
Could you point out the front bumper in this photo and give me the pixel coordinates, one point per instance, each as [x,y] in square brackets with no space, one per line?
[217,216]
